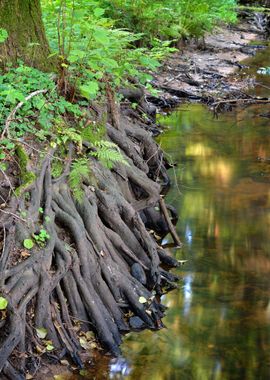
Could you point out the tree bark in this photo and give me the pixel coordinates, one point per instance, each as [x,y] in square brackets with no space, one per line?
[22,19]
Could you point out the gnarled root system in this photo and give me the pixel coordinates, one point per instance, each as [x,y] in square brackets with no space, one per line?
[96,269]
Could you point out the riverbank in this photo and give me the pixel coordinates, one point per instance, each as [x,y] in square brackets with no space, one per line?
[210,69]
[80,265]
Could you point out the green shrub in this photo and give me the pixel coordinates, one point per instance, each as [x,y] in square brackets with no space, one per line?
[92,50]
[170,18]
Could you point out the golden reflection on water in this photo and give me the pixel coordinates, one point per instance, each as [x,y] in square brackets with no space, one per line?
[219,320]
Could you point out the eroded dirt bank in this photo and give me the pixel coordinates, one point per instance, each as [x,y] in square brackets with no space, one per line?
[211,69]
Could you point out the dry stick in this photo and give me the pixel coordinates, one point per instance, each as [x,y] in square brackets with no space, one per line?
[4,241]
[18,106]
[249,100]
[8,180]
[12,214]
[169,222]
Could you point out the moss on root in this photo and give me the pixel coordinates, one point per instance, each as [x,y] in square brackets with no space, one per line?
[27,177]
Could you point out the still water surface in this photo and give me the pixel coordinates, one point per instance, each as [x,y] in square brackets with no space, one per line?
[219,320]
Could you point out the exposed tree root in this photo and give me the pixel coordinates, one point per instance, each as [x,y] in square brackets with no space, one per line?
[99,264]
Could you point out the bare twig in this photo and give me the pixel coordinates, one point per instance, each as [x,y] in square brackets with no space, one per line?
[169,222]
[10,117]
[10,184]
[4,240]
[12,214]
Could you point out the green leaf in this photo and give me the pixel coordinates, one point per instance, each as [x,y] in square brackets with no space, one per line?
[101,36]
[142,300]
[28,243]
[84,343]
[49,347]
[109,63]
[41,332]
[76,55]
[99,12]
[3,166]
[3,303]
[3,35]
[89,90]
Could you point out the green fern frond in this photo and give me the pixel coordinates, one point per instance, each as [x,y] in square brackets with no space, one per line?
[104,144]
[108,154]
[79,171]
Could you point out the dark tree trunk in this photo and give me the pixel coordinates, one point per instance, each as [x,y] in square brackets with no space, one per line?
[26,36]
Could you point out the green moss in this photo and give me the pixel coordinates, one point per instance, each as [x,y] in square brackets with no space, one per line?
[22,156]
[27,177]
[57,168]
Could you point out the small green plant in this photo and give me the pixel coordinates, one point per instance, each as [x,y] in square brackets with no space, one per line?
[108,154]
[3,35]
[28,243]
[91,49]
[80,171]
[37,115]
[41,238]
[169,19]
[3,303]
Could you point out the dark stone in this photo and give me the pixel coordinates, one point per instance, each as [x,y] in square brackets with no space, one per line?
[136,323]
[138,273]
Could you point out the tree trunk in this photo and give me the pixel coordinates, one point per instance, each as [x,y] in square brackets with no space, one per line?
[26,35]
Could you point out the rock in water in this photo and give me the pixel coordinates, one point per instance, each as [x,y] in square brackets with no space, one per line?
[138,273]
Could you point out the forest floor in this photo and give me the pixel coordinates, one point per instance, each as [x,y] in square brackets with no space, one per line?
[211,69]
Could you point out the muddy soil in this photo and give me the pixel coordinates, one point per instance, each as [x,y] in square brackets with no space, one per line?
[209,69]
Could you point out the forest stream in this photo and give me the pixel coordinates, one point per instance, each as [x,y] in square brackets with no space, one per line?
[134,190]
[218,322]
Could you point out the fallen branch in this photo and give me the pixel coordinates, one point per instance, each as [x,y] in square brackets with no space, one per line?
[242,100]
[169,222]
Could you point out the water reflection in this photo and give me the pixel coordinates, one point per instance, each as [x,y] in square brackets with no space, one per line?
[119,368]
[187,296]
[218,321]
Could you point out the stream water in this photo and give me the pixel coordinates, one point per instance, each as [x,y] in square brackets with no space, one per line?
[218,322]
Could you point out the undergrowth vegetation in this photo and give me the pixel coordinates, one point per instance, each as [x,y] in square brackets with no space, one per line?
[98,46]
[169,19]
